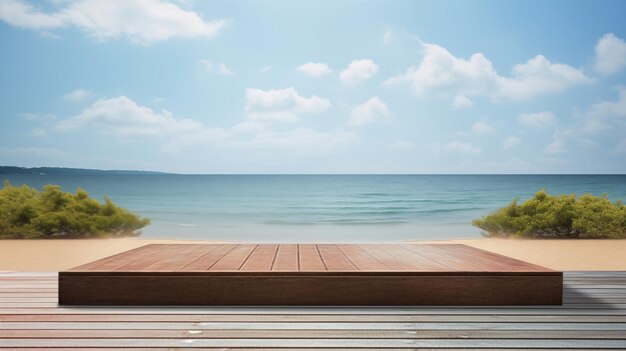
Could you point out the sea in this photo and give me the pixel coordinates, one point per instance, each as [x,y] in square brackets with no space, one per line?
[320,208]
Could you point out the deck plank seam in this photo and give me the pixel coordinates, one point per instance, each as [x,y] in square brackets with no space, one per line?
[402,258]
[437,254]
[346,256]
[197,258]
[232,247]
[247,257]
[274,257]
[425,257]
[321,258]
[298,268]
[221,257]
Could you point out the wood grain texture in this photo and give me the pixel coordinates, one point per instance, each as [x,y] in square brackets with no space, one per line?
[306,274]
[309,257]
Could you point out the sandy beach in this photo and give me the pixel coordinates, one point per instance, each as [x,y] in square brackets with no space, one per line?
[60,254]
[565,255]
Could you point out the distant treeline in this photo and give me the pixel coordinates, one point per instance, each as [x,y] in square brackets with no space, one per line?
[69,171]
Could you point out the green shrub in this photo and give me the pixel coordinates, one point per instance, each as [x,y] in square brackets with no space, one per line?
[564,216]
[28,213]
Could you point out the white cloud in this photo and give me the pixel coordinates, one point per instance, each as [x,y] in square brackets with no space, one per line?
[77,95]
[602,125]
[223,70]
[213,67]
[461,101]
[122,116]
[281,104]
[607,115]
[460,147]
[265,69]
[358,71]
[141,21]
[314,69]
[610,54]
[482,127]
[441,72]
[537,120]
[371,111]
[511,142]
[24,15]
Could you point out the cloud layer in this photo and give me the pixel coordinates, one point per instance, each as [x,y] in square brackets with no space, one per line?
[122,116]
[442,73]
[358,71]
[610,54]
[284,105]
[141,21]
[538,119]
[371,111]
[314,69]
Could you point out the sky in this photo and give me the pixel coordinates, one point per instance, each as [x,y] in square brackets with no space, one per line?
[314,86]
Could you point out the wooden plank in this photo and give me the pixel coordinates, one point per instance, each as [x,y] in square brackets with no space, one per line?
[118,260]
[309,290]
[362,259]
[209,259]
[244,274]
[316,326]
[397,258]
[309,334]
[334,259]
[426,311]
[234,259]
[309,258]
[35,293]
[147,256]
[261,259]
[307,343]
[487,260]
[180,259]
[287,258]
[308,318]
[282,349]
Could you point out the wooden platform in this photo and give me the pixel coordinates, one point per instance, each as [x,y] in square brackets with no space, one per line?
[592,317]
[308,274]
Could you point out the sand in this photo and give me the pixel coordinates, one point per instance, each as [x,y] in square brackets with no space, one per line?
[563,255]
[60,254]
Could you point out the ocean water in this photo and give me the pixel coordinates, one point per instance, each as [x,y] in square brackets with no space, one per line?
[320,208]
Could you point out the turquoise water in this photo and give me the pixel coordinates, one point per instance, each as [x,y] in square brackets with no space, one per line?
[320,208]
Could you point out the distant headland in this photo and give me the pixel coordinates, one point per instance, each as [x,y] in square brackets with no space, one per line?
[71,171]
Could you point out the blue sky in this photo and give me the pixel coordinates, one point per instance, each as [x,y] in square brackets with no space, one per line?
[314,86]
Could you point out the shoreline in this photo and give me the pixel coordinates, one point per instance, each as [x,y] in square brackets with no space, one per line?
[51,255]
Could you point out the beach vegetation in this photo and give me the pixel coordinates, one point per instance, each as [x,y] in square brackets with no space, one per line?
[26,212]
[563,216]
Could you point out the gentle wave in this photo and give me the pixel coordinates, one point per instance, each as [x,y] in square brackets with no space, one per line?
[335,222]
[270,207]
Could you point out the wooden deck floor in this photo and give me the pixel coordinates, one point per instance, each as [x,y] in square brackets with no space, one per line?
[592,317]
[309,274]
